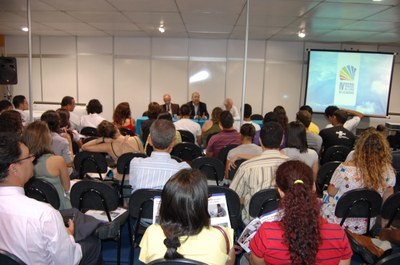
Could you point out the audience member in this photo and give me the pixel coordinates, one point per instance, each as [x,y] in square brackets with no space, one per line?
[32,230]
[154,171]
[48,166]
[371,168]
[93,118]
[169,107]
[185,230]
[184,123]
[21,105]
[5,105]
[61,142]
[300,235]
[198,109]
[246,149]
[296,147]
[11,121]
[269,116]
[211,126]
[68,103]
[312,127]
[228,103]
[248,110]
[350,124]
[314,141]
[153,110]
[112,142]
[228,135]
[337,135]
[122,117]
[259,172]
[65,126]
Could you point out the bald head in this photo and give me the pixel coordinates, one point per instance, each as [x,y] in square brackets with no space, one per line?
[228,103]
[167,99]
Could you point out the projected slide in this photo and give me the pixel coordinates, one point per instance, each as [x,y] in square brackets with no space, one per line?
[354,80]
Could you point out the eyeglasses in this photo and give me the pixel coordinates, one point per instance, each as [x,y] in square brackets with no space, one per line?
[22,159]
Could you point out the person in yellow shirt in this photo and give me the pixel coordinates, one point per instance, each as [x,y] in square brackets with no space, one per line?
[312,127]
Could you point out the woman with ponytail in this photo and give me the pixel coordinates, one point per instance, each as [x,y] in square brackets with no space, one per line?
[184,230]
[301,236]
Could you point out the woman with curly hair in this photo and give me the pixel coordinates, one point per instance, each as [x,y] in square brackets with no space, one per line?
[11,121]
[301,236]
[122,117]
[370,167]
[211,126]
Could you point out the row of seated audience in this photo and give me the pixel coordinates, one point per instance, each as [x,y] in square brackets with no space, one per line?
[279,141]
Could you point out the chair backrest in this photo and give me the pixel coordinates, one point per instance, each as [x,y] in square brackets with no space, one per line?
[175,262]
[359,203]
[186,151]
[42,190]
[263,201]
[6,258]
[335,153]
[393,259]
[257,117]
[391,208]
[223,153]
[396,166]
[233,202]
[232,172]
[324,175]
[89,131]
[126,131]
[95,195]
[90,162]
[124,161]
[211,167]
[187,136]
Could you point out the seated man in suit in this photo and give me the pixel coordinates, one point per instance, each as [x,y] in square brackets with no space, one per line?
[172,108]
[32,230]
[198,109]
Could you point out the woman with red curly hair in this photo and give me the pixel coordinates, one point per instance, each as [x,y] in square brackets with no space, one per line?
[301,236]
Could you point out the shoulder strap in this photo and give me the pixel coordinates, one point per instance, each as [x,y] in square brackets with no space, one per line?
[225,237]
[112,148]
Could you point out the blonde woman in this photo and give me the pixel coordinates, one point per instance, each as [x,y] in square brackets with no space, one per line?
[48,166]
[371,168]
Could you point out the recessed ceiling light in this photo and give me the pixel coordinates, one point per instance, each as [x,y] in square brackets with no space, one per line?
[25,29]
[301,33]
[161,28]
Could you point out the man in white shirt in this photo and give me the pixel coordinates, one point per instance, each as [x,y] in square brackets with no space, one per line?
[21,105]
[68,103]
[350,124]
[248,110]
[154,171]
[228,103]
[32,230]
[187,124]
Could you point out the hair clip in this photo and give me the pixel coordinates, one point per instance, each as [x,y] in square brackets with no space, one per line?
[298,181]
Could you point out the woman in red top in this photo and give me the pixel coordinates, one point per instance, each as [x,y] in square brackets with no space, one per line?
[301,236]
[122,117]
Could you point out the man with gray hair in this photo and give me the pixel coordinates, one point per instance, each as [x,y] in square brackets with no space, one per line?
[154,171]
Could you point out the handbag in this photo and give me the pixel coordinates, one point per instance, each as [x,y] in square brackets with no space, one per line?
[363,246]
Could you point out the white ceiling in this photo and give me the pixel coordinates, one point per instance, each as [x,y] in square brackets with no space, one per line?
[361,21]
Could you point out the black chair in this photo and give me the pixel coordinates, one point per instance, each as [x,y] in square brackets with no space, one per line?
[232,172]
[396,166]
[88,139]
[126,131]
[175,262]
[393,259]
[256,117]
[123,164]
[90,162]
[89,132]
[335,153]
[187,136]
[177,159]
[90,194]
[149,149]
[186,151]
[223,153]
[391,208]
[140,206]
[6,258]
[324,176]
[263,201]
[359,203]
[233,201]
[211,167]
[42,190]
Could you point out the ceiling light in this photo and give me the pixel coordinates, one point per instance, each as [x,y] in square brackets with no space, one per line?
[25,29]
[301,33]
[161,28]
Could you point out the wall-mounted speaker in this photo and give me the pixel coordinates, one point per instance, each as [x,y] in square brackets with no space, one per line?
[8,71]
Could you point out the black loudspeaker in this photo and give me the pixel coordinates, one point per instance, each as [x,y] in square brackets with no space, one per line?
[8,71]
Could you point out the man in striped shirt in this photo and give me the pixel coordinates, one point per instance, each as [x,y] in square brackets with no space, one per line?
[154,171]
[258,173]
